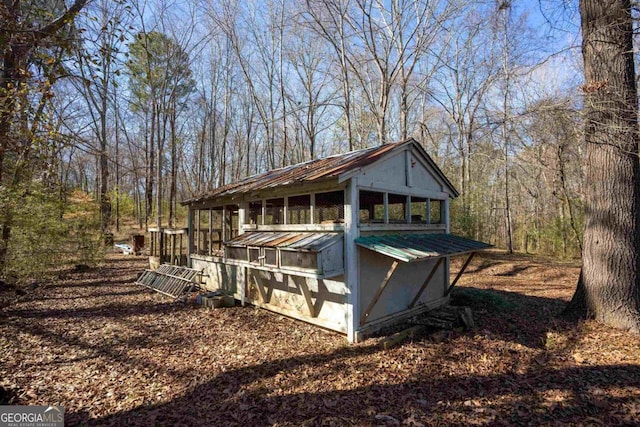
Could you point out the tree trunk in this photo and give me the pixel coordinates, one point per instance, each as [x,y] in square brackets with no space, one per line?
[105,202]
[610,287]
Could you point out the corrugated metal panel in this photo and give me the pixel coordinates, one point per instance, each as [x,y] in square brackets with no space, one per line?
[416,247]
[314,170]
[309,241]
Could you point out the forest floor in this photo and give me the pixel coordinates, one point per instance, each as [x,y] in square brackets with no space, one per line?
[114,353]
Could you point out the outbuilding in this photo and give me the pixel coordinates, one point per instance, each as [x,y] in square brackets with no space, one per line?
[351,242]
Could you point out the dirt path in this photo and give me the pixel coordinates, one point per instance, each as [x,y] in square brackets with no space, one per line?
[116,354]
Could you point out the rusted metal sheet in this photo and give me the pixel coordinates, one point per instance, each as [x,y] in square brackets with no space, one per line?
[416,247]
[310,241]
[313,170]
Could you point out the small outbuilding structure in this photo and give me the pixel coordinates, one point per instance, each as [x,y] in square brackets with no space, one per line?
[351,242]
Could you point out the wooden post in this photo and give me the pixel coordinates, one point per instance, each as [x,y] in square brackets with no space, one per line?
[189,235]
[173,239]
[224,224]
[210,231]
[198,246]
[285,211]
[381,288]
[426,282]
[407,210]
[312,208]
[464,266]
[444,214]
[351,233]
[181,248]
[243,214]
[385,201]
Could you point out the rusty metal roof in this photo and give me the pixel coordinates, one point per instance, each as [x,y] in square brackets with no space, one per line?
[417,247]
[310,241]
[311,171]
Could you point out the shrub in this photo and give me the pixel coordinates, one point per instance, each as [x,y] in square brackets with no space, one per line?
[48,233]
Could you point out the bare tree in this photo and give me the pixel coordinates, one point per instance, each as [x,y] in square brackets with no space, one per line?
[469,69]
[96,64]
[394,38]
[329,19]
[312,93]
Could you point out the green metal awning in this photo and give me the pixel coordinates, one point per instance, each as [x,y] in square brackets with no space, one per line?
[418,247]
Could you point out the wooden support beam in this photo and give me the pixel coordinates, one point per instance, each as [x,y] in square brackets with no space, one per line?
[376,297]
[426,282]
[464,267]
[304,289]
[322,289]
[399,337]
[210,232]
[266,297]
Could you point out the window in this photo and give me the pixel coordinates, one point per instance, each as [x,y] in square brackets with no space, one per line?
[255,212]
[418,210]
[371,207]
[203,236]
[231,222]
[270,257]
[216,230]
[254,255]
[274,212]
[397,208]
[298,259]
[299,209]
[329,207]
[237,253]
[436,211]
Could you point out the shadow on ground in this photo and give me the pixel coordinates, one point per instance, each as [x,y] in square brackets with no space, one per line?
[502,399]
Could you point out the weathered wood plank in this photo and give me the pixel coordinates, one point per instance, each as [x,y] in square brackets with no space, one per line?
[426,282]
[399,337]
[304,289]
[376,297]
[257,280]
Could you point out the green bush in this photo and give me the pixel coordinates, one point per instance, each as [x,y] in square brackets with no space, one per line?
[47,233]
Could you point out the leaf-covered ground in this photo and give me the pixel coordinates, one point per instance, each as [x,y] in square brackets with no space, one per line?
[117,354]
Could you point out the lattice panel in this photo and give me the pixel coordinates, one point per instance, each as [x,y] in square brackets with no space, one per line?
[171,280]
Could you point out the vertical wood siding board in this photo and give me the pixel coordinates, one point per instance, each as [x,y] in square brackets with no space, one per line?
[426,282]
